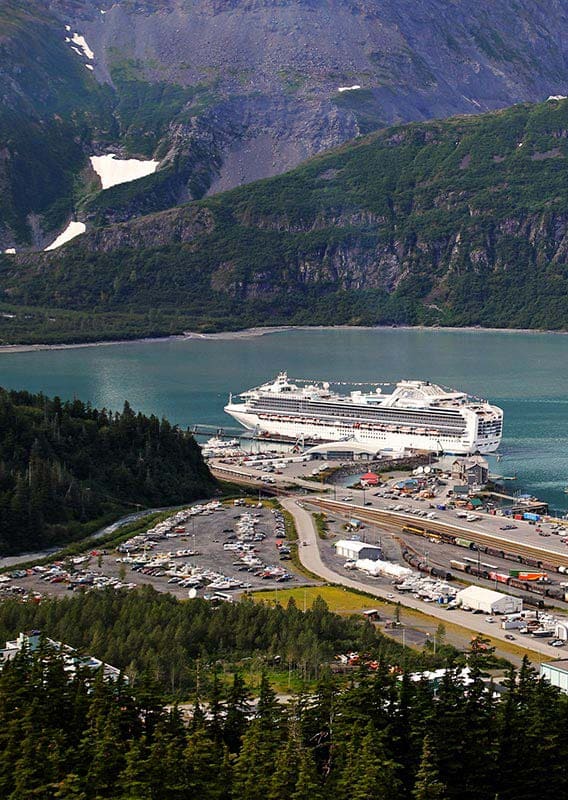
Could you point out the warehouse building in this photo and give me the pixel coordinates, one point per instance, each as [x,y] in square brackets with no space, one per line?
[353,550]
[556,673]
[489,602]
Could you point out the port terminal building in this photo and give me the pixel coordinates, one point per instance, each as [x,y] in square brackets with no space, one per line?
[353,550]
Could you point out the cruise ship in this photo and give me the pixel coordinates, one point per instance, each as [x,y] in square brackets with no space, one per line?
[415,415]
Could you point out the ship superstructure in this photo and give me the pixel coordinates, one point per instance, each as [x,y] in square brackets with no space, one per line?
[415,415]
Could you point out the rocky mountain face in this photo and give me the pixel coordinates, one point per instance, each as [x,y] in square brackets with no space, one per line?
[223,92]
[462,221]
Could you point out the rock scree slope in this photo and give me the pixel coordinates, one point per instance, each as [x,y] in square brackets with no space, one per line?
[223,92]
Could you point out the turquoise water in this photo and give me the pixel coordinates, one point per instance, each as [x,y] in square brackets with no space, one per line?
[188,381]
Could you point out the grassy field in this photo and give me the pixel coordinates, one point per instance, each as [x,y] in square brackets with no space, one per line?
[342,601]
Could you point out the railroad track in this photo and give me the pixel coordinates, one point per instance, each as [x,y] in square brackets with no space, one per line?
[500,546]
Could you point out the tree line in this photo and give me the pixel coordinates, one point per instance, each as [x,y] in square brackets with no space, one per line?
[65,464]
[381,737]
[149,632]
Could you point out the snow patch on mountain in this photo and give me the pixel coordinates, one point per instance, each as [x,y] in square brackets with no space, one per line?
[113,171]
[82,43]
[71,231]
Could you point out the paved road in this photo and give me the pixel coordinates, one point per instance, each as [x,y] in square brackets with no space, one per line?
[23,558]
[524,538]
[312,560]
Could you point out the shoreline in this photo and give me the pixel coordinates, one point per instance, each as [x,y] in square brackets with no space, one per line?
[250,333]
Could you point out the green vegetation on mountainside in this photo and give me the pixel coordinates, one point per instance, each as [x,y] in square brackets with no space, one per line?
[66,464]
[55,114]
[454,222]
[51,106]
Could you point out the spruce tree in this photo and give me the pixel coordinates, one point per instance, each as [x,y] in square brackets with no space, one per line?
[205,768]
[308,785]
[285,775]
[428,785]
[237,714]
[268,711]
[376,777]
[252,773]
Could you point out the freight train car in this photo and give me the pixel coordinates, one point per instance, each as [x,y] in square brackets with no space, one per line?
[499,577]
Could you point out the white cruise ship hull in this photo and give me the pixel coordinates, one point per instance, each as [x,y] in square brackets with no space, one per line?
[323,431]
[415,415]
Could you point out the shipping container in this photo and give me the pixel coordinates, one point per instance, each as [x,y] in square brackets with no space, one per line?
[532,562]
[464,542]
[528,515]
[459,565]
[479,573]
[550,567]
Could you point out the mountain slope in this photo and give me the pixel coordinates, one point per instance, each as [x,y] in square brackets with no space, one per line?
[67,464]
[463,221]
[223,92]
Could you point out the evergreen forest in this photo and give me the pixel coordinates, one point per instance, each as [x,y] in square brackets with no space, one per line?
[150,632]
[66,467]
[380,737]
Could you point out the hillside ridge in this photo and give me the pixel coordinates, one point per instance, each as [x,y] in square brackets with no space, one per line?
[224,93]
[455,222]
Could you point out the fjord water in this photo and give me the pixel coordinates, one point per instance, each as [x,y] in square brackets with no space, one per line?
[189,380]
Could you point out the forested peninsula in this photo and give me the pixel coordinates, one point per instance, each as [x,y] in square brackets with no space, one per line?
[65,467]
